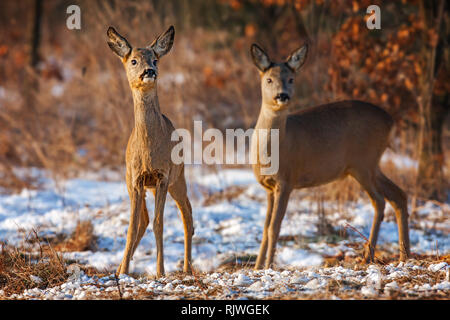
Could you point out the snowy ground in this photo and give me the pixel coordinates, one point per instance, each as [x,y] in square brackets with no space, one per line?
[226,228]
[390,281]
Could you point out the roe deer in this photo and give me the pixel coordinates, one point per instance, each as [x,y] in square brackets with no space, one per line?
[148,161]
[319,145]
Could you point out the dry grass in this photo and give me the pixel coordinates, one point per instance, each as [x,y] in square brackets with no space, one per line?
[21,269]
[227,194]
[25,267]
[18,268]
[82,239]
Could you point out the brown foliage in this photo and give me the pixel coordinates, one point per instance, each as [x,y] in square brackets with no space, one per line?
[81,112]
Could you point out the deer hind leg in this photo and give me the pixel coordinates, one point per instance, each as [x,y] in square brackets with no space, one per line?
[158,223]
[398,200]
[281,198]
[367,181]
[179,194]
[263,248]
[136,197]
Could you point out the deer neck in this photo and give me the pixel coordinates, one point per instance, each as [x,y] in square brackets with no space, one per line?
[147,114]
[270,119]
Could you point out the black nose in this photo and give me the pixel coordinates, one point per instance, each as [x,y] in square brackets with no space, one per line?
[282,97]
[151,72]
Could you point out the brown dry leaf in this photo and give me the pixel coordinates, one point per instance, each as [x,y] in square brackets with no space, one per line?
[417,68]
[235,4]
[250,30]
[433,38]
[3,50]
[408,84]
[403,34]
[344,63]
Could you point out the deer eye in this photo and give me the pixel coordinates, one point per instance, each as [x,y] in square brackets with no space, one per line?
[155,62]
[133,62]
[291,80]
[269,80]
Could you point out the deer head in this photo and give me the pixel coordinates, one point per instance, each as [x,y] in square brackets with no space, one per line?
[277,79]
[141,64]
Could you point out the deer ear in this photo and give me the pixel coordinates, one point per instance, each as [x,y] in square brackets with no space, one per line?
[260,58]
[118,44]
[164,42]
[297,58]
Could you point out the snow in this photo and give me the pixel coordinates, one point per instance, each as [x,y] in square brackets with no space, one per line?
[374,277]
[297,257]
[374,281]
[398,160]
[223,229]
[438,266]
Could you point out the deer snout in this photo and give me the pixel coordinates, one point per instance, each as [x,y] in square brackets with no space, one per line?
[282,98]
[148,74]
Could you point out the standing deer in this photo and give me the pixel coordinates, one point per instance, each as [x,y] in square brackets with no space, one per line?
[319,145]
[148,154]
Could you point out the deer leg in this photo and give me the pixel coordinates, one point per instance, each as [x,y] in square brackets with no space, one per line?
[281,198]
[398,200]
[179,194]
[142,227]
[367,181]
[136,203]
[158,224]
[263,248]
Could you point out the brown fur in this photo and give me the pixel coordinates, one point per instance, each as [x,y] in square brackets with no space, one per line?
[319,145]
[148,154]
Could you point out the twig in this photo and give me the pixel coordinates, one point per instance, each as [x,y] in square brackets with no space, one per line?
[347,225]
[197,280]
[437,250]
[118,286]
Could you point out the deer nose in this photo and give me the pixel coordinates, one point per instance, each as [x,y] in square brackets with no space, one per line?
[151,73]
[283,97]
[148,73]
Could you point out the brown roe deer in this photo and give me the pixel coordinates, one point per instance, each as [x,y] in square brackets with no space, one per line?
[148,155]
[318,145]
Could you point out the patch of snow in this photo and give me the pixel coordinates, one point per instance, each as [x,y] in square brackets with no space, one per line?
[442,266]
[369,291]
[298,257]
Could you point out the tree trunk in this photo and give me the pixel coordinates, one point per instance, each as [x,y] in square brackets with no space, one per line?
[433,107]
[30,83]
[430,179]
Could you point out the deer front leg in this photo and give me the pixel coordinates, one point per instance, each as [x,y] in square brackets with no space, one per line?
[281,198]
[367,179]
[158,223]
[136,203]
[263,248]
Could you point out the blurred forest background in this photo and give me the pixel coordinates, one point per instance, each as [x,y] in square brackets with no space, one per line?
[65,104]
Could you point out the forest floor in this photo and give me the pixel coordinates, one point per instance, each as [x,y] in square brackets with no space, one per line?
[64,241]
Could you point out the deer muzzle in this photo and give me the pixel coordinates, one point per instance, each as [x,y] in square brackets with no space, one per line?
[148,75]
[282,99]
